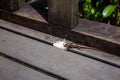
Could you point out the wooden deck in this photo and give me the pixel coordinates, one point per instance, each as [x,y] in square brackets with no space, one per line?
[102,36]
[26,54]
[26,38]
[10,70]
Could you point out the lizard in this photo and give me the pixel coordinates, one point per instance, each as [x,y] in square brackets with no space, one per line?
[77,46]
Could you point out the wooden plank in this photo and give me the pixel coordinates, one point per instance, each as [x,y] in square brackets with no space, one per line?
[13,71]
[63,63]
[63,13]
[109,44]
[10,5]
[80,34]
[51,39]
[28,11]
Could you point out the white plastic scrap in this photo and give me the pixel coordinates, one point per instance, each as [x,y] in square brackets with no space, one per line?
[60,44]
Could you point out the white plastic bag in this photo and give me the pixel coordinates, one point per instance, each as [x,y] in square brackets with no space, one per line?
[60,44]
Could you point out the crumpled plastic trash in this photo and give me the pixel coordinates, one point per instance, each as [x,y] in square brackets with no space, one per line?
[60,44]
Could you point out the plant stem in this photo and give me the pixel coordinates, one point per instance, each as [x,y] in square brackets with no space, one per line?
[117,11]
[111,1]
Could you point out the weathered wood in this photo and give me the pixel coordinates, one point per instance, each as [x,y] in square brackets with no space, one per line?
[49,39]
[13,71]
[80,34]
[75,35]
[63,12]
[10,5]
[63,63]
[28,11]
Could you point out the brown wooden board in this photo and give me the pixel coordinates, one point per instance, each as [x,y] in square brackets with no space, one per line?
[60,62]
[13,71]
[63,13]
[110,44]
[49,39]
[26,10]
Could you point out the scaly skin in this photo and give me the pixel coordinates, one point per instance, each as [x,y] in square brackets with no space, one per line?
[74,45]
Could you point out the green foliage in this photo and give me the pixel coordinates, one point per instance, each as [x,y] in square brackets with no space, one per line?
[100,10]
[118,14]
[115,1]
[108,10]
[23,1]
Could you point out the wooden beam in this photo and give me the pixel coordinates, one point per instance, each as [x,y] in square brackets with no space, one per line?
[19,71]
[63,12]
[94,35]
[49,39]
[10,5]
[66,64]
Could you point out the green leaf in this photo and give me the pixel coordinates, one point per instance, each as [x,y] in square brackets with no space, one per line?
[118,14]
[92,10]
[115,1]
[87,7]
[97,14]
[88,1]
[108,10]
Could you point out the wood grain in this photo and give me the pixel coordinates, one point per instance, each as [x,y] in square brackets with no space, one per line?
[63,13]
[63,63]
[88,33]
[10,70]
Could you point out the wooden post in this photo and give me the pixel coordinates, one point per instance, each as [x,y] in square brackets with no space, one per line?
[10,5]
[63,12]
